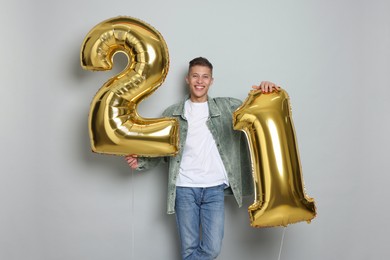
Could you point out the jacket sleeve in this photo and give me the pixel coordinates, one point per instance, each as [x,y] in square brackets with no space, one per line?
[146,163]
[246,164]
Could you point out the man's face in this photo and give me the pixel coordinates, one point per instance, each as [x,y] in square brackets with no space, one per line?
[199,79]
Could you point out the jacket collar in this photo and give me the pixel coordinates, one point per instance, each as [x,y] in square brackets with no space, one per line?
[213,108]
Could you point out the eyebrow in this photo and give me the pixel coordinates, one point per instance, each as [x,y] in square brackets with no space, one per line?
[206,74]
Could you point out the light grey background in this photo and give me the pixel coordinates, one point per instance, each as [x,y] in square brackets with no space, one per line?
[59,201]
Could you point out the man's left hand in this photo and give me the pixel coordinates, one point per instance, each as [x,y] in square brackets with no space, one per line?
[266,87]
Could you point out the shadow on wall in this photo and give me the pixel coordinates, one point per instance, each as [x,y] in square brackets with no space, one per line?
[254,243]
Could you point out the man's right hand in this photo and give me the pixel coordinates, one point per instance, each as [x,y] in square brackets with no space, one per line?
[132,161]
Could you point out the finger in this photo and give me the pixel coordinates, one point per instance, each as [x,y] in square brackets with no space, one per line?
[268,86]
[262,86]
[131,161]
[130,156]
[134,165]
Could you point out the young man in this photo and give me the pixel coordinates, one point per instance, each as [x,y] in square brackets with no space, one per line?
[212,161]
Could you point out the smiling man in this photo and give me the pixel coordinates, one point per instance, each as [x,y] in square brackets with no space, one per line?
[212,161]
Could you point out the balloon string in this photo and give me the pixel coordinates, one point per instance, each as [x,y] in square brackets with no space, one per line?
[281,243]
[132,212]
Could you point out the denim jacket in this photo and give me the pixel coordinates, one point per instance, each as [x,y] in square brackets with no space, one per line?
[231,144]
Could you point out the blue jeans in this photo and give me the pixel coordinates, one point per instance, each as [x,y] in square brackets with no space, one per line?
[200,217]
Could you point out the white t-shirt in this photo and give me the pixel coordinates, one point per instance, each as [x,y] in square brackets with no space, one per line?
[201,164]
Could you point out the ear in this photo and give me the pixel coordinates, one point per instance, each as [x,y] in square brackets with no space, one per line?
[187,80]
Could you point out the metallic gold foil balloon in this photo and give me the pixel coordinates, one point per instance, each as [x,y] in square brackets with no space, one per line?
[114,124]
[280,197]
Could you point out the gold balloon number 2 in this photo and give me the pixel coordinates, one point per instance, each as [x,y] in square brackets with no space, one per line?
[280,197]
[115,126]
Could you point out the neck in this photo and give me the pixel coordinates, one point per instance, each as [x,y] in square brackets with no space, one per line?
[198,100]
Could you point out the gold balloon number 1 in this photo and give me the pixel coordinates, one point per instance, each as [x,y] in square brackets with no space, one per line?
[280,197]
[115,126]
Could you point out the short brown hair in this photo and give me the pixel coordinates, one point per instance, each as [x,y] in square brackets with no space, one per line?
[200,61]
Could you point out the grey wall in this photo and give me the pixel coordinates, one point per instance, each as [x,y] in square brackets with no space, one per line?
[59,201]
